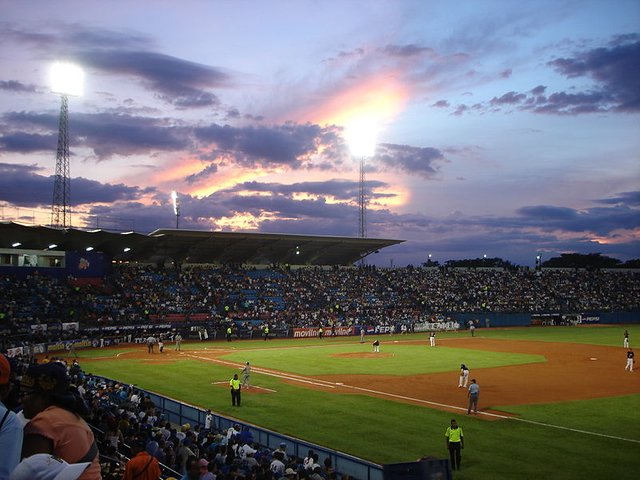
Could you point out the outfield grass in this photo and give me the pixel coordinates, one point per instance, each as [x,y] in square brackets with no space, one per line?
[385,431]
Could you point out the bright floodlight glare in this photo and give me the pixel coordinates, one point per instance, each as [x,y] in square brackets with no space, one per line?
[174,197]
[67,79]
[361,138]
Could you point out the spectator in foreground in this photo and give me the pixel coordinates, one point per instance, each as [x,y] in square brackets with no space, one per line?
[56,426]
[43,466]
[10,425]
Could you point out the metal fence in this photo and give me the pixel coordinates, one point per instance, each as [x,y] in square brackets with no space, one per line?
[179,413]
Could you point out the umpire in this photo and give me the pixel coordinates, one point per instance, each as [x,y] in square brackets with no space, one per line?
[234,383]
[455,443]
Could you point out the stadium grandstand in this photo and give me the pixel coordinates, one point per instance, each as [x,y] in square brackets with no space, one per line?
[65,290]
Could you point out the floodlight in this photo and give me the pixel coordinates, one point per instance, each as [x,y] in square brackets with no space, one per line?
[126,249]
[174,197]
[67,79]
[16,244]
[88,249]
[361,138]
[52,246]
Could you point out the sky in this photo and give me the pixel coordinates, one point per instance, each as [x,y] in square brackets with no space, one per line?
[499,128]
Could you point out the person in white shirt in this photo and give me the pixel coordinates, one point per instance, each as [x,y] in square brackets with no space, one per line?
[11,433]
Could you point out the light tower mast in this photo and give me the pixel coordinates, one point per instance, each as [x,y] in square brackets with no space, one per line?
[66,79]
[60,216]
[362,203]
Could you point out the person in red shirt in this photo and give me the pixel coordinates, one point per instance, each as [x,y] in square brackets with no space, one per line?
[142,466]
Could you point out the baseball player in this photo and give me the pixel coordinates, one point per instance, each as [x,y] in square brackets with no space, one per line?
[376,346]
[464,376]
[625,343]
[432,339]
[246,375]
[630,356]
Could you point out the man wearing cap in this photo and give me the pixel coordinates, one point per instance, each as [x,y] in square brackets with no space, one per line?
[290,474]
[10,425]
[142,466]
[282,448]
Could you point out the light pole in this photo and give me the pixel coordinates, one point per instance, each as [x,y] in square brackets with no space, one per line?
[361,138]
[176,208]
[66,80]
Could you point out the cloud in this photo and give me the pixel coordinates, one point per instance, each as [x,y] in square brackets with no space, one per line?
[411,160]
[407,50]
[23,185]
[612,71]
[511,98]
[342,190]
[178,81]
[627,198]
[22,142]
[290,145]
[15,86]
[615,71]
[107,133]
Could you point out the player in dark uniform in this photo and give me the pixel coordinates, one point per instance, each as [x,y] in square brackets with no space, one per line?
[630,356]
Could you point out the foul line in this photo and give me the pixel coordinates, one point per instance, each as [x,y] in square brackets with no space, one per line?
[271,373]
[325,383]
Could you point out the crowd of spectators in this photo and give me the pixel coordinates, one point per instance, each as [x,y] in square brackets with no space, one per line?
[309,296]
[127,425]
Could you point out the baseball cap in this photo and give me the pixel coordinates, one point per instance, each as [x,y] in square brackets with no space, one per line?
[289,471]
[203,463]
[44,466]
[5,370]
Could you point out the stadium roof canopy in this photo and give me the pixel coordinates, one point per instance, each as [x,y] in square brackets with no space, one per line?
[195,246]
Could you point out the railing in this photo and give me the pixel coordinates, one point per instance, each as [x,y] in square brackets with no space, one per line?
[180,413]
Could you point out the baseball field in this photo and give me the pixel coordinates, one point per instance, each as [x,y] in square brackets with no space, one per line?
[555,402]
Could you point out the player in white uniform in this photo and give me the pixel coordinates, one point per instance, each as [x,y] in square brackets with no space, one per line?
[432,339]
[464,376]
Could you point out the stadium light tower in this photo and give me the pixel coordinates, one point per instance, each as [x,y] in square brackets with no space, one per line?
[361,138]
[66,80]
[176,207]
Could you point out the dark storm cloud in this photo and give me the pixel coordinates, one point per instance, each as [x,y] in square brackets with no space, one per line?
[24,186]
[106,134]
[15,86]
[178,81]
[422,161]
[285,145]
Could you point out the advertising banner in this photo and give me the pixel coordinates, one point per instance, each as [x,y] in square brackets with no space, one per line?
[313,332]
[437,326]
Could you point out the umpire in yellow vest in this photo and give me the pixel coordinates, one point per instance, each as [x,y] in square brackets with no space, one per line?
[234,383]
